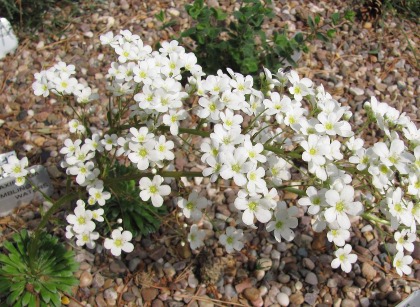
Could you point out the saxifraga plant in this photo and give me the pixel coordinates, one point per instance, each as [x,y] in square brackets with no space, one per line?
[36,275]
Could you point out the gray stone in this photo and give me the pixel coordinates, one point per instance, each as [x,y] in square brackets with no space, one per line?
[311,279]
[132,265]
[311,298]
[128,297]
[98,281]
[394,297]
[283,278]
[157,253]
[308,263]
[230,292]
[384,285]
[117,266]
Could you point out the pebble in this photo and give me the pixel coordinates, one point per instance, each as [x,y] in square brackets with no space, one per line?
[368,271]
[356,91]
[308,263]
[311,298]
[128,297]
[283,278]
[283,299]
[311,279]
[384,285]
[110,294]
[259,274]
[297,298]
[117,266]
[264,264]
[394,297]
[230,292]
[85,279]
[252,294]
[348,303]
[157,253]
[149,294]
[133,263]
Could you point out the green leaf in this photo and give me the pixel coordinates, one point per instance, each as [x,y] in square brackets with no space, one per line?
[349,15]
[311,23]
[335,18]
[331,33]
[56,300]
[46,295]
[322,37]
[221,15]
[160,16]
[299,38]
[26,298]
[317,19]
[32,301]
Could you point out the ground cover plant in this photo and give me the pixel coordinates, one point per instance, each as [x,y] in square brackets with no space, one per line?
[285,135]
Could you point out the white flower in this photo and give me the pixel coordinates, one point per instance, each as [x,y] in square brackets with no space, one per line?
[196,237]
[172,120]
[231,240]
[300,88]
[76,126]
[254,151]
[341,204]
[164,149]
[64,83]
[94,144]
[285,220]
[15,167]
[119,242]
[97,194]
[235,165]
[70,147]
[256,183]
[254,206]
[405,240]
[87,238]
[97,215]
[153,189]
[338,236]
[141,154]
[401,263]
[81,220]
[109,141]
[192,207]
[344,258]
[81,171]
[395,155]
[316,147]
[230,119]
[315,200]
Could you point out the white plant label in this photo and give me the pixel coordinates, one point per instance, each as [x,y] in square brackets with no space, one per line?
[12,196]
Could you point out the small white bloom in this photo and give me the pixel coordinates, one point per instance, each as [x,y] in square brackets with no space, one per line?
[231,240]
[120,242]
[153,189]
[344,258]
[405,240]
[196,237]
[192,207]
[401,263]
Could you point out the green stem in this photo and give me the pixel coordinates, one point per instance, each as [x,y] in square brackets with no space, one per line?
[150,175]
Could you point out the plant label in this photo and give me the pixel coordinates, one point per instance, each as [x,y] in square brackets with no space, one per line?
[12,196]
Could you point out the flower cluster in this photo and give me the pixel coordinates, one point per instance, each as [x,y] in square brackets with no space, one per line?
[284,135]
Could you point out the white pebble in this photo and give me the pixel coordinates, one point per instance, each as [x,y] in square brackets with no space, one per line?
[283,299]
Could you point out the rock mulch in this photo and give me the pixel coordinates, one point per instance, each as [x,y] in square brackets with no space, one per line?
[362,61]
